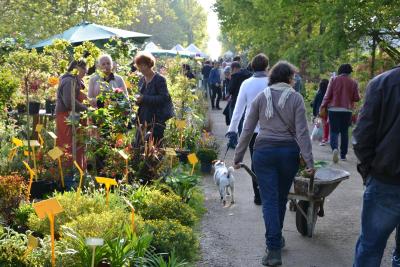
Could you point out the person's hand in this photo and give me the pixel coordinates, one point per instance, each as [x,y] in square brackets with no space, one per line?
[139,98]
[237,166]
[233,139]
[310,172]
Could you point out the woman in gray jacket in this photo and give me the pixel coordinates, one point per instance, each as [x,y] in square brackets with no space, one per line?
[283,133]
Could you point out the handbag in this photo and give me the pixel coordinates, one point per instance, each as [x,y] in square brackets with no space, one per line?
[292,133]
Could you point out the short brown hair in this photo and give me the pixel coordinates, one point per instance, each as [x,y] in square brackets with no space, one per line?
[145,58]
[260,62]
[281,72]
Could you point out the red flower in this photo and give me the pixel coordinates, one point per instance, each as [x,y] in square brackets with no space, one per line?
[118,90]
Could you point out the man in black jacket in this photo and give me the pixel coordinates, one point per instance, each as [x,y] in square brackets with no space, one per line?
[238,75]
[377,146]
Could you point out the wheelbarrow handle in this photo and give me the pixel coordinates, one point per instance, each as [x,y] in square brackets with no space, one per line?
[249,171]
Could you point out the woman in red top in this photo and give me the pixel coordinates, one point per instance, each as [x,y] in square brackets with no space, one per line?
[68,82]
[339,100]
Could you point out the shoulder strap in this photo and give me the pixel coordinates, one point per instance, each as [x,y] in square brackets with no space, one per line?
[283,120]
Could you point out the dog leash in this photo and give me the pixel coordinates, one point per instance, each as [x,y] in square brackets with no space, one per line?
[226,152]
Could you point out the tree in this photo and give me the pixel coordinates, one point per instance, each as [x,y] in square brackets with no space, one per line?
[315,35]
[40,19]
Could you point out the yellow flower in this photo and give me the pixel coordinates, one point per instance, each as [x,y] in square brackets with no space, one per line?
[53,81]
[128,84]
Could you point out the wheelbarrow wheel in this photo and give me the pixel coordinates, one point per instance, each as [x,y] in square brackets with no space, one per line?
[301,221]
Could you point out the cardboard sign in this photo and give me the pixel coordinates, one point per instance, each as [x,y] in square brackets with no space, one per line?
[170,152]
[39,128]
[55,153]
[193,159]
[47,207]
[123,154]
[180,124]
[94,242]
[52,135]
[32,143]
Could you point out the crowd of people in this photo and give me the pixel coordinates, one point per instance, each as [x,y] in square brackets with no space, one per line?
[267,112]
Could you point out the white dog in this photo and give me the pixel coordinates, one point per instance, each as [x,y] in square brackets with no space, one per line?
[224,179]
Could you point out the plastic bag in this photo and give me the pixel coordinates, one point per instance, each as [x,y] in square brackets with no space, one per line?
[316,134]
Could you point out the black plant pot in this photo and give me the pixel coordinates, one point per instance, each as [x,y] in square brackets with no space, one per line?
[205,166]
[40,188]
[50,106]
[34,108]
[21,108]
[182,155]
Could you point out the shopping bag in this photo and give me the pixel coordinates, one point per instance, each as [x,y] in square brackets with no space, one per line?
[316,134]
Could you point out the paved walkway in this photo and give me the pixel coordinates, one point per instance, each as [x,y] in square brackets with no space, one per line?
[234,236]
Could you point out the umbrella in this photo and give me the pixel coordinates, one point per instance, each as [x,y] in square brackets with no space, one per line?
[86,31]
[157,51]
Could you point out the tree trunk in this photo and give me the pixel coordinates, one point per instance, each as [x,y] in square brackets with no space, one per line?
[373,55]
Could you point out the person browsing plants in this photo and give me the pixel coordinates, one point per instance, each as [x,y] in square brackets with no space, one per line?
[104,80]
[154,100]
[283,133]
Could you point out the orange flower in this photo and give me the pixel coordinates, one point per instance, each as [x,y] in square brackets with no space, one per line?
[53,81]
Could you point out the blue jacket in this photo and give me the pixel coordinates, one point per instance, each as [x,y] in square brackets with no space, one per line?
[214,77]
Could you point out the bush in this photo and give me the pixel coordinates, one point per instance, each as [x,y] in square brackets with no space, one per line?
[75,206]
[8,85]
[207,154]
[22,214]
[167,206]
[12,191]
[183,184]
[170,235]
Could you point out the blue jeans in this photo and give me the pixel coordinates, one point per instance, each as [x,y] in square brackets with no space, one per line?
[275,168]
[380,216]
[339,123]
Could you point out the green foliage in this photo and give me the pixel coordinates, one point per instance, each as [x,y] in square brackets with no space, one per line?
[207,155]
[190,136]
[170,235]
[80,207]
[182,184]
[159,205]
[12,191]
[8,86]
[317,36]
[22,214]
[160,261]
[12,249]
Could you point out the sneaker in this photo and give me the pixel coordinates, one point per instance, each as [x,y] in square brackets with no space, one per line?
[322,143]
[335,156]
[343,158]
[272,258]
[395,259]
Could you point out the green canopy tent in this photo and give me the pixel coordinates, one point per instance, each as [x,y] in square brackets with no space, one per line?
[98,34]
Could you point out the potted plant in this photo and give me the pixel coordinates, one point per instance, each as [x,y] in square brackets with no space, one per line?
[208,151]
[206,157]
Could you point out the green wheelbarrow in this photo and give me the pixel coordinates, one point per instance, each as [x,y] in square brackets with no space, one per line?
[307,195]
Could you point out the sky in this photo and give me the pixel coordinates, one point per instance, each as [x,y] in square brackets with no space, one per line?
[213,45]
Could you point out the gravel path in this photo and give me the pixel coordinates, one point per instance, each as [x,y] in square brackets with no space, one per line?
[234,236]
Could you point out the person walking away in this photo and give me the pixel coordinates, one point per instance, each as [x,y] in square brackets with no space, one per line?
[377,145]
[205,71]
[237,77]
[154,100]
[249,89]
[215,85]
[323,85]
[68,82]
[225,82]
[298,84]
[104,80]
[339,100]
[281,114]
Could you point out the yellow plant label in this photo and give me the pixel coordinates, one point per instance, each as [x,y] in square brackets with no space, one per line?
[32,242]
[31,172]
[17,142]
[39,127]
[55,153]
[32,143]
[52,135]
[193,159]
[170,152]
[106,181]
[46,207]
[180,124]
[123,154]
